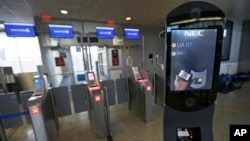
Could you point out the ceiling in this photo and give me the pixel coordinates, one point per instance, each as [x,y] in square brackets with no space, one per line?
[143,12]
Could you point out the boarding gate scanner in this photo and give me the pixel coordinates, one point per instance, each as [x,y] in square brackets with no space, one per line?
[140,93]
[193,35]
[41,108]
[98,106]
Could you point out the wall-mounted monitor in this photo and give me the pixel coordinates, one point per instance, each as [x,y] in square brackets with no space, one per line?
[192,59]
[131,34]
[61,31]
[105,32]
[19,30]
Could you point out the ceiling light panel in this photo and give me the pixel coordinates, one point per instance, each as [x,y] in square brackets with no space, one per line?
[64,12]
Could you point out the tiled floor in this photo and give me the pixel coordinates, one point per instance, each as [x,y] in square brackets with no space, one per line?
[231,108]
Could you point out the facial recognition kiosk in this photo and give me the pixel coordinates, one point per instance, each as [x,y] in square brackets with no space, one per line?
[194,33]
[98,107]
[140,93]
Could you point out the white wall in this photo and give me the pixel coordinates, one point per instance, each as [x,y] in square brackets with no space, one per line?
[235,49]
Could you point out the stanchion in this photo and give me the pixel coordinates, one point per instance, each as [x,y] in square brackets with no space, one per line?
[3,136]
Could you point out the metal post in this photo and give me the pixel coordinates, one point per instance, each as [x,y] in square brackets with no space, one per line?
[83,54]
[89,56]
[97,69]
[86,57]
[154,88]
[107,61]
[83,57]
[143,52]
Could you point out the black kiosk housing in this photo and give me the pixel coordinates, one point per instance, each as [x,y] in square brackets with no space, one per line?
[194,33]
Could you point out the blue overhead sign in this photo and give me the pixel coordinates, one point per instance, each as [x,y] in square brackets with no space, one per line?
[19,30]
[105,32]
[130,33]
[61,31]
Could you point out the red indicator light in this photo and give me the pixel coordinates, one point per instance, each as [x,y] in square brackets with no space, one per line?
[98,87]
[111,22]
[148,88]
[98,98]
[35,111]
[46,18]
[142,80]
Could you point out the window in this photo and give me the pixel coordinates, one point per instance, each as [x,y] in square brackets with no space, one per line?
[22,54]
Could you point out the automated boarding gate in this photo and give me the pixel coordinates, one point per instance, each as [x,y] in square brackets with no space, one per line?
[42,110]
[98,106]
[140,94]
[194,33]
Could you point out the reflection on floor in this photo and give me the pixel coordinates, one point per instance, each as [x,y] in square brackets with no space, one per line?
[231,108]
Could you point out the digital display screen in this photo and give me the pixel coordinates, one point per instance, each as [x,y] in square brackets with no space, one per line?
[38,83]
[91,76]
[105,32]
[61,31]
[192,59]
[189,134]
[184,75]
[133,34]
[80,77]
[136,73]
[19,30]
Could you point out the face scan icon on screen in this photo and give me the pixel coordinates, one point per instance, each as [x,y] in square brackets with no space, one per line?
[192,58]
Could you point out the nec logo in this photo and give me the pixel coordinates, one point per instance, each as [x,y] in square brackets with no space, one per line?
[239,132]
[194,33]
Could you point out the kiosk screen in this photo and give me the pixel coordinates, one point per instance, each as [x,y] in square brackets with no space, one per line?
[136,72]
[91,79]
[38,83]
[192,59]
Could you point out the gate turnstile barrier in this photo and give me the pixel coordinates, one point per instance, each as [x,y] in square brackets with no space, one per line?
[98,104]
[140,94]
[43,117]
